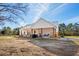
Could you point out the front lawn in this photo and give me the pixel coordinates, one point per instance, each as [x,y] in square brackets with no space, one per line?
[13,46]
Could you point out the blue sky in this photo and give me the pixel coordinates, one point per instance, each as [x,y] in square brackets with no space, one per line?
[59,12]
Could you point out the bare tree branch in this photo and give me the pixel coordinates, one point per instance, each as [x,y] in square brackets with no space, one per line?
[14,10]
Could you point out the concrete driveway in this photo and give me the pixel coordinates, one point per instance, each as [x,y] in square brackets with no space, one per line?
[62,47]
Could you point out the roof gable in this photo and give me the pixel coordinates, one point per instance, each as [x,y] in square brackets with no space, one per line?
[41,23]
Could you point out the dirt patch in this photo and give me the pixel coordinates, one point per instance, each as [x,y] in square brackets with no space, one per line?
[21,48]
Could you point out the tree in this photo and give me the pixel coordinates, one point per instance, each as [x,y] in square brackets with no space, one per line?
[76,29]
[62,28]
[69,29]
[16,31]
[11,11]
[7,31]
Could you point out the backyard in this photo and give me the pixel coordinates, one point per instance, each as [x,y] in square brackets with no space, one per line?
[19,46]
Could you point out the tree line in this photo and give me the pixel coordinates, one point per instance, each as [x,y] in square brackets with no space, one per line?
[9,31]
[69,30]
[64,30]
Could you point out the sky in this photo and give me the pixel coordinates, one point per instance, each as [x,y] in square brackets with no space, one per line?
[53,12]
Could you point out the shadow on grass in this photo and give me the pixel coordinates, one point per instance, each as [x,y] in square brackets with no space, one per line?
[65,48]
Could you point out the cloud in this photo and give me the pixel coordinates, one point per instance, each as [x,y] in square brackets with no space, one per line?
[57,9]
[73,20]
[44,7]
[39,11]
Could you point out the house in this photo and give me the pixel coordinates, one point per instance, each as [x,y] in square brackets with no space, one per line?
[41,28]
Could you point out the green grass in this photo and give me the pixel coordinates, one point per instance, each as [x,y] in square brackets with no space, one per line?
[74,37]
[76,42]
[71,36]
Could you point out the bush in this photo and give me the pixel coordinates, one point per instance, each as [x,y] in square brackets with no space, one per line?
[9,31]
[34,36]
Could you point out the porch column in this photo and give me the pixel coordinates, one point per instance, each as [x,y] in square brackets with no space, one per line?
[53,32]
[41,32]
[31,32]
